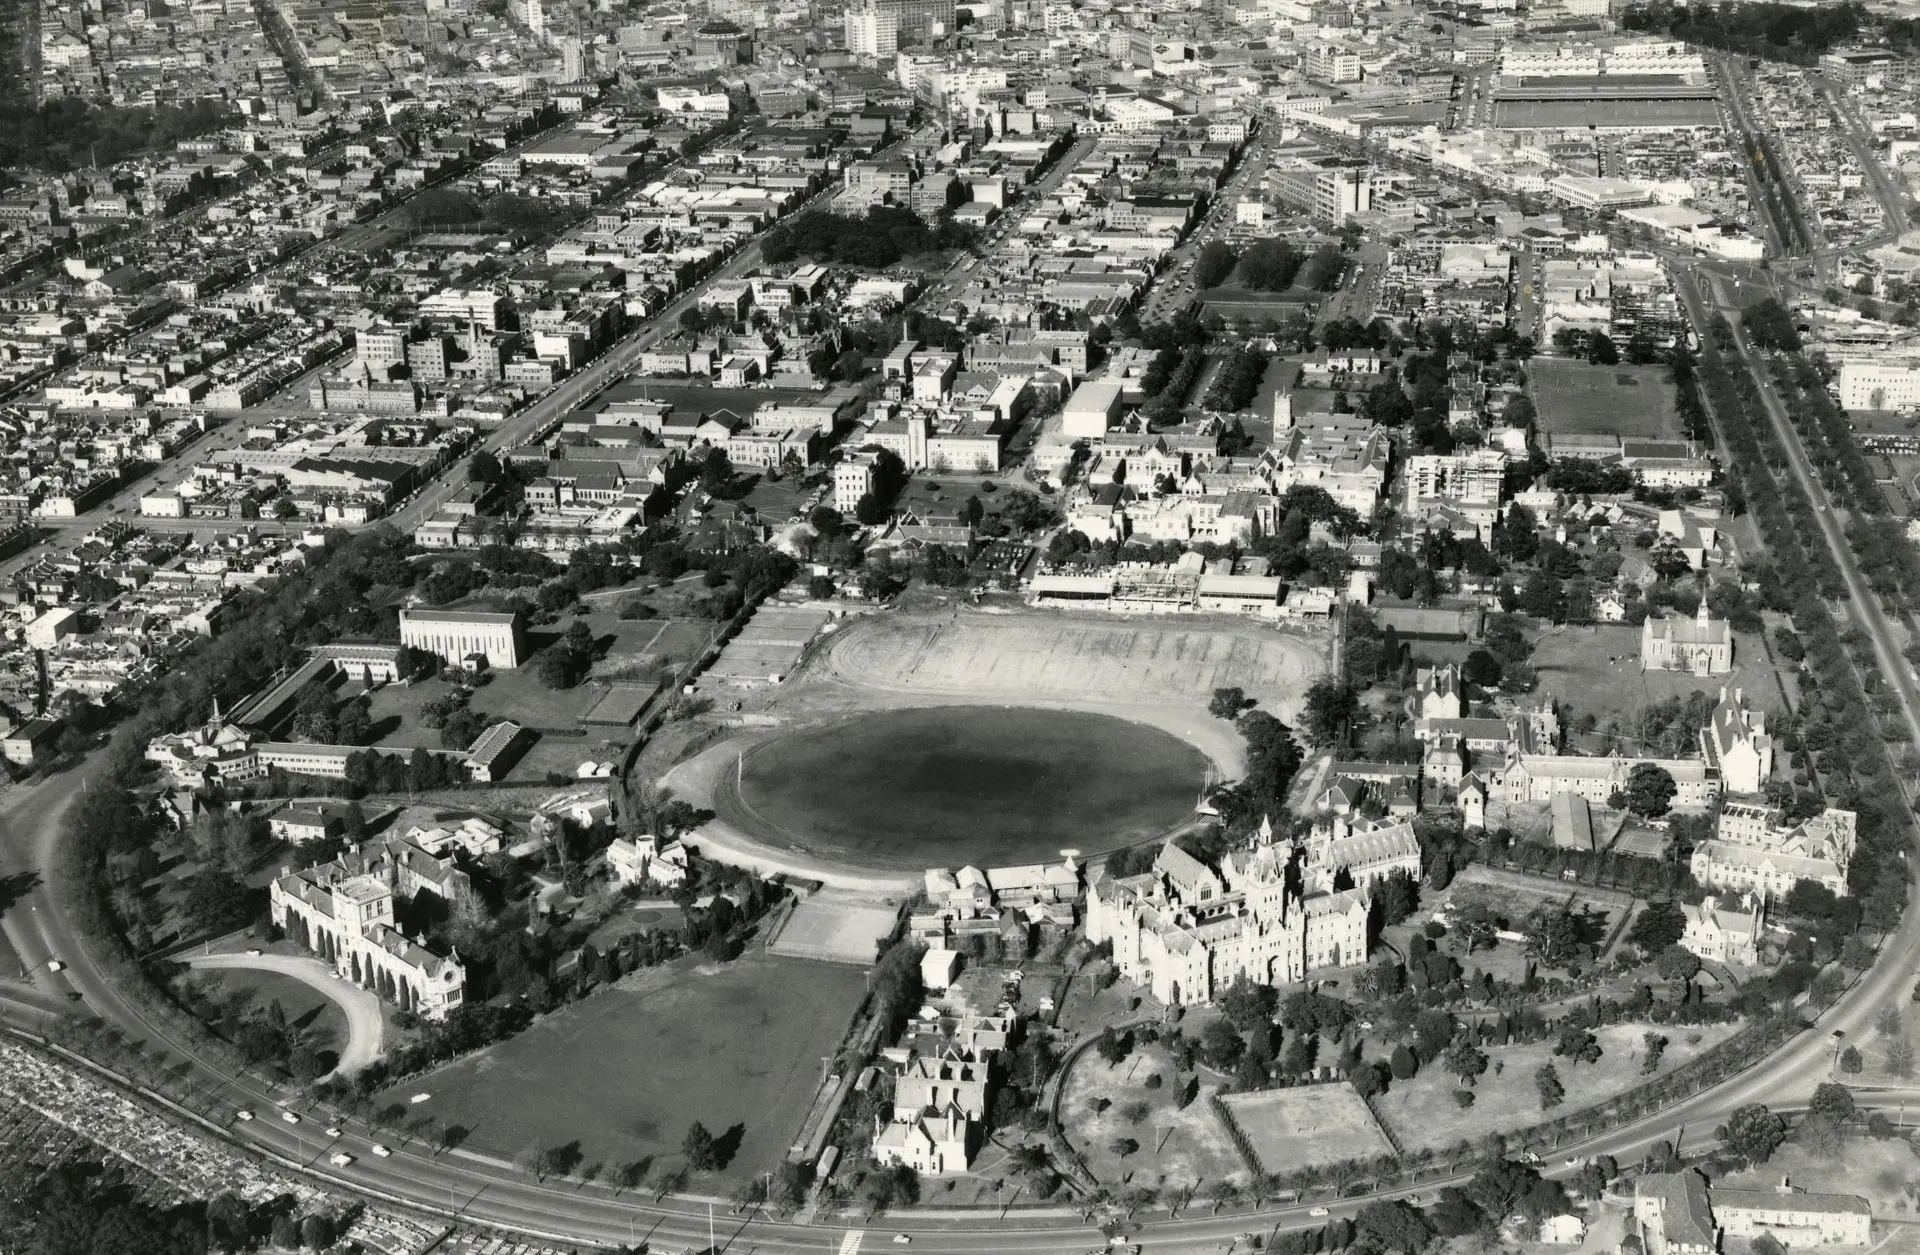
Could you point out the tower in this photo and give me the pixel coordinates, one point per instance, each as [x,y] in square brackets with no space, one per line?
[535,17]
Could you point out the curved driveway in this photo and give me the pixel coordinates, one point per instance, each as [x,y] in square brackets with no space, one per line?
[365,1025]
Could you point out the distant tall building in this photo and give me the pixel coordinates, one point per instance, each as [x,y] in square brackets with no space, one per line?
[535,17]
[872,31]
[573,58]
[907,22]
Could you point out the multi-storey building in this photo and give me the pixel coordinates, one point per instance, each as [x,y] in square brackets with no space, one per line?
[343,911]
[499,636]
[1754,850]
[1187,931]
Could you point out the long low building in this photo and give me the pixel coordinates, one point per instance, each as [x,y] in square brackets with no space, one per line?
[1159,590]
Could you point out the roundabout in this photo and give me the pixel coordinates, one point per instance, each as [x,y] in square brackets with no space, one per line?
[903,790]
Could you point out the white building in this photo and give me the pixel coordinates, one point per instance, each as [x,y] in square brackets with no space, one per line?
[499,637]
[1754,851]
[1186,931]
[343,911]
[1879,384]
[1735,742]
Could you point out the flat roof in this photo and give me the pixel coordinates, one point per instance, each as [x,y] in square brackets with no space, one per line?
[475,615]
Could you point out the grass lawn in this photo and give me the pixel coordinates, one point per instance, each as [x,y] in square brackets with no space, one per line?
[626,1072]
[1421,1111]
[1872,1045]
[247,989]
[1631,401]
[1574,665]
[1177,1146]
[1886,1174]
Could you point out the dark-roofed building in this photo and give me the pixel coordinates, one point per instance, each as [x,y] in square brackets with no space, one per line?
[1672,1214]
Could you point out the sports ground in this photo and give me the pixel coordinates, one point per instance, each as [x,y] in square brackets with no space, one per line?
[623,1073]
[1310,1124]
[1633,402]
[951,785]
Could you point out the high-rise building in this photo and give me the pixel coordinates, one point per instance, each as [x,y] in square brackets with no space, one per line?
[909,22]
[573,58]
[872,31]
[535,17]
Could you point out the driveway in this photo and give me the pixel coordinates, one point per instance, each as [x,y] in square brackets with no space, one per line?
[365,1024]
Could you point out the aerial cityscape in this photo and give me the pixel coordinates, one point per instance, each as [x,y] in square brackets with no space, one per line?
[1039,626]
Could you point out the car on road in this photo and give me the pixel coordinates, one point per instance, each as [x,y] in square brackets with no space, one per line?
[55,965]
[243,1114]
[340,1160]
[901,1239]
[253,954]
[1316,1212]
[382,1151]
[290,1117]
[333,1130]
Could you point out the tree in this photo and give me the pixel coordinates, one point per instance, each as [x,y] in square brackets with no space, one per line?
[1659,925]
[1553,933]
[1329,712]
[1678,964]
[1650,790]
[1578,1045]
[1850,1061]
[1402,1063]
[483,467]
[698,1147]
[317,1231]
[1752,1133]
[1820,1134]
[1652,1047]
[1466,1061]
[1393,1226]
[1834,1101]
[1227,703]
[1546,1079]
[1215,262]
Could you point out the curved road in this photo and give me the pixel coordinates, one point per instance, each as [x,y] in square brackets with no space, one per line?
[488,1191]
[366,1027]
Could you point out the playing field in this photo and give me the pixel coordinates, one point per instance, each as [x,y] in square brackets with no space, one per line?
[944,786]
[835,928]
[1633,402]
[1061,656]
[1310,1124]
[1521,115]
[625,1072]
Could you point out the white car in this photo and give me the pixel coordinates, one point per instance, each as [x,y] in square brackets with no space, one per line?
[243,1115]
[382,1151]
[290,1117]
[901,1239]
[1316,1212]
[420,1097]
[253,954]
[55,965]
[340,1160]
[332,1131]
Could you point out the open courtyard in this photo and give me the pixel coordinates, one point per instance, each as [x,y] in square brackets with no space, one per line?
[623,1074]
